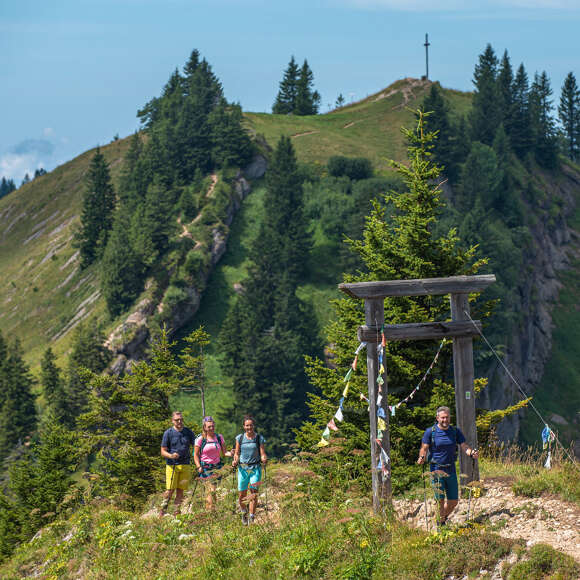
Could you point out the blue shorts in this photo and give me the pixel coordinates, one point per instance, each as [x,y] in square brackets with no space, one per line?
[445,487]
[249,475]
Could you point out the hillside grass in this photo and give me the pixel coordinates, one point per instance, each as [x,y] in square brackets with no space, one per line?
[41,286]
[300,536]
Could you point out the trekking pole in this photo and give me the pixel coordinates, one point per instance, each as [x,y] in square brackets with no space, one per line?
[425,496]
[266,491]
[234,490]
[471,486]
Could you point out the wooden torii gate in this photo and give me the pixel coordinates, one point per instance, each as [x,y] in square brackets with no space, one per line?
[460,329]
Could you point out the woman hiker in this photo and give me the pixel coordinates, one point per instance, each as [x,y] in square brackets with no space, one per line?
[208,451]
[175,448]
[248,454]
[440,442]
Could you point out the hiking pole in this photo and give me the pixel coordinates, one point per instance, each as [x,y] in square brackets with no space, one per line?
[425,496]
[234,490]
[266,491]
[471,484]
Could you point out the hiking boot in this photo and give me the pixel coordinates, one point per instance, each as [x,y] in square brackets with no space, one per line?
[251,519]
[245,518]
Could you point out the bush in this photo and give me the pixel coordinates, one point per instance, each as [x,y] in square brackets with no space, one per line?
[544,562]
[354,168]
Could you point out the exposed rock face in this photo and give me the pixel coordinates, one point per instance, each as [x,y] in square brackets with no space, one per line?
[128,341]
[530,346]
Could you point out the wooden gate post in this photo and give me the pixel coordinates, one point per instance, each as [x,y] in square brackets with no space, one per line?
[464,395]
[374,316]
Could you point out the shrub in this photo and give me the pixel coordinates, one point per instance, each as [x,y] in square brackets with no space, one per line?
[354,168]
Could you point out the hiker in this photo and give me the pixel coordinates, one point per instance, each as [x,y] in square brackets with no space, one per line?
[248,454]
[439,447]
[208,451]
[176,449]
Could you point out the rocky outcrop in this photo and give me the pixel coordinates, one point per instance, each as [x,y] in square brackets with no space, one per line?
[128,341]
[530,346]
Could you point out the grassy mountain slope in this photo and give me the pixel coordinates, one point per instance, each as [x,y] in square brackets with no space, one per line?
[42,290]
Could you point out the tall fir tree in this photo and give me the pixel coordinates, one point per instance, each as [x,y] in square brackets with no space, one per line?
[121,268]
[53,387]
[439,122]
[123,422]
[569,115]
[307,99]
[17,405]
[486,114]
[97,212]
[269,329]
[285,102]
[505,81]
[87,353]
[521,134]
[398,242]
[544,126]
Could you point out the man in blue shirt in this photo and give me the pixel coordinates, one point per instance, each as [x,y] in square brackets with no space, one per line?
[440,442]
[176,449]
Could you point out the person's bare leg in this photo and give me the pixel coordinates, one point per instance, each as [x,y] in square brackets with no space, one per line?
[165,502]
[450,505]
[178,500]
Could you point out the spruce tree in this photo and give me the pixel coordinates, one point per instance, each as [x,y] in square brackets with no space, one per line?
[521,135]
[438,122]
[53,387]
[307,99]
[569,115]
[6,186]
[486,113]
[125,418]
[286,98]
[121,269]
[269,329]
[97,211]
[505,81]
[89,353]
[17,409]
[398,242]
[545,144]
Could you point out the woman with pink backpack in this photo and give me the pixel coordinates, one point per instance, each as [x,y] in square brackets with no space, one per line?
[208,450]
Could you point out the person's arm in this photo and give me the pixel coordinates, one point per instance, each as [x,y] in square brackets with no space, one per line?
[196,458]
[263,456]
[165,453]
[469,451]
[236,454]
[423,453]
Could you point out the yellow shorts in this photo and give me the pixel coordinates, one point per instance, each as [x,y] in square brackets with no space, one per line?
[177,476]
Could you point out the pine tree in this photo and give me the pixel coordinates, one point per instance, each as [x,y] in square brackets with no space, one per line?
[121,269]
[88,353]
[569,114]
[505,80]
[125,417]
[286,98]
[6,186]
[521,135]
[486,113]
[17,409]
[97,211]
[545,143]
[307,99]
[439,123]
[269,329]
[53,387]
[398,242]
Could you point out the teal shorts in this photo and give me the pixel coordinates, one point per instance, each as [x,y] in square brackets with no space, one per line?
[249,475]
[446,487]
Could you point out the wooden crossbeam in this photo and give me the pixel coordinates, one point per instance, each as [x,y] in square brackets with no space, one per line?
[419,287]
[420,331]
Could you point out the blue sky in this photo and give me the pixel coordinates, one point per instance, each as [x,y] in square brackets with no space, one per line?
[74,72]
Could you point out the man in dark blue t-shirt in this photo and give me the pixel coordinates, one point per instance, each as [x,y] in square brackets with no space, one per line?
[440,443]
[176,447]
